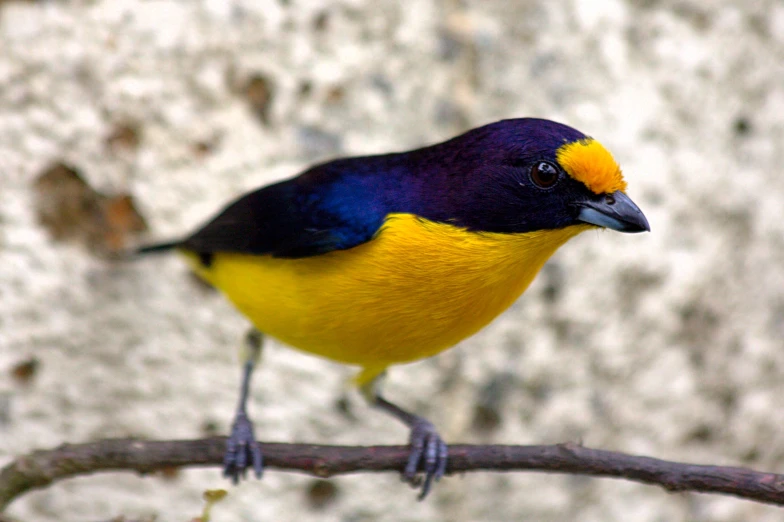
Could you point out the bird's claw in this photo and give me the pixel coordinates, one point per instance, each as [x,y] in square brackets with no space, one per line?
[242,450]
[428,453]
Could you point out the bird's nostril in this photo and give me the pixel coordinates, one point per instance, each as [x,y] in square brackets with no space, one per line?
[609,199]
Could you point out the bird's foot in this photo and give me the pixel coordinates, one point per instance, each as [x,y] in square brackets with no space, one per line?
[242,450]
[428,453]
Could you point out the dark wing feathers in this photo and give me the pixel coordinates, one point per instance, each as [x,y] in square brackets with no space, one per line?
[282,220]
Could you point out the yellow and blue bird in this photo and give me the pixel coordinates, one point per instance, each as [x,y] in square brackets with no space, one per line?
[379,260]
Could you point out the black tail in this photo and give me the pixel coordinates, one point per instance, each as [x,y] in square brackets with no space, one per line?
[158,247]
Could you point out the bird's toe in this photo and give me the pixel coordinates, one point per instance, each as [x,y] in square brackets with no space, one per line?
[428,453]
[242,450]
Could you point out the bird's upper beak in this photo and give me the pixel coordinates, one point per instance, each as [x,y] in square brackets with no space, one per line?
[615,211]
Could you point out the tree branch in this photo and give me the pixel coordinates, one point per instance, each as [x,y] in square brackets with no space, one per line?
[41,468]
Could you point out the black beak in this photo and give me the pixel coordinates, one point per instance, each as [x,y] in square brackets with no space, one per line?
[614,211]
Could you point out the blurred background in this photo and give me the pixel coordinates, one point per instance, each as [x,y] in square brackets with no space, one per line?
[129,120]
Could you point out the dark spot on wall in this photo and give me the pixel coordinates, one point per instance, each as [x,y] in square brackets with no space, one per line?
[321,493]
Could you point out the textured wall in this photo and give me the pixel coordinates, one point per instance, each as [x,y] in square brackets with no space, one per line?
[667,344]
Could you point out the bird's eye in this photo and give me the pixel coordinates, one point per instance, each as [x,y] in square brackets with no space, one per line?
[544,174]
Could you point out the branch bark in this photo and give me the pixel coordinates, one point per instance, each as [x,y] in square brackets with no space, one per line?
[41,468]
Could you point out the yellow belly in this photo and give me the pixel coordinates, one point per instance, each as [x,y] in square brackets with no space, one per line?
[415,289]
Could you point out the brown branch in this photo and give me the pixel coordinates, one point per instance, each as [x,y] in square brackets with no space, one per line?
[41,468]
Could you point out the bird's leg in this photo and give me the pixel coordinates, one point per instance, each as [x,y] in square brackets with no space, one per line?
[242,449]
[428,451]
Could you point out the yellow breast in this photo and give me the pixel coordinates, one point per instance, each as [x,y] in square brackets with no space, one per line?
[415,289]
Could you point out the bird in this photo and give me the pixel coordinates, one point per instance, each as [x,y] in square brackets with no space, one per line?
[379,260]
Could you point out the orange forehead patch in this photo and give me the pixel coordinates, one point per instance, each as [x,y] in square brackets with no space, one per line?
[590,163]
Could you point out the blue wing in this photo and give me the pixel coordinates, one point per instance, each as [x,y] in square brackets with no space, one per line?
[320,211]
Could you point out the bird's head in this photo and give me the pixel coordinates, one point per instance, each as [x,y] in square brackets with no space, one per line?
[531,174]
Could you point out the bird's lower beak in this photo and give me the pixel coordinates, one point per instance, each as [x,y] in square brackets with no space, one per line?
[614,211]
